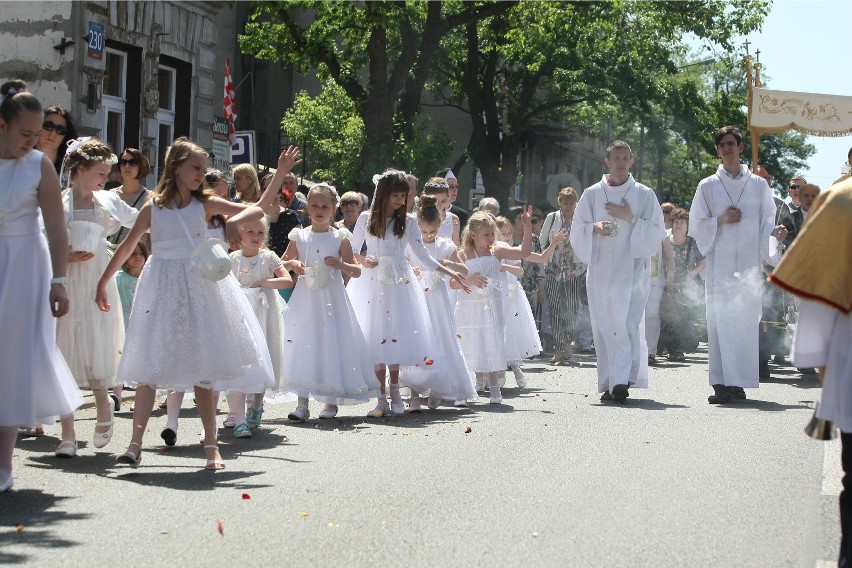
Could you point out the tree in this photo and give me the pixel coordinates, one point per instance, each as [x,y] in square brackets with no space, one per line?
[542,61]
[382,68]
[331,134]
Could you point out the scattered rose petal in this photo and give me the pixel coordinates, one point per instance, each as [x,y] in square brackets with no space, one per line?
[384,341]
[429,361]
[426,290]
[246,496]
[393,340]
[220,526]
[19,529]
[304,514]
[535,535]
[468,430]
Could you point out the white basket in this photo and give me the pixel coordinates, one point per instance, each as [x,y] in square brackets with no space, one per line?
[84,236]
[211,258]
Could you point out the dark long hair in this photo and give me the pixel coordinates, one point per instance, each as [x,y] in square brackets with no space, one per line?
[71,133]
[392,181]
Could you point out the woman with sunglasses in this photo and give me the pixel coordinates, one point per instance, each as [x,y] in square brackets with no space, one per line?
[134,167]
[56,130]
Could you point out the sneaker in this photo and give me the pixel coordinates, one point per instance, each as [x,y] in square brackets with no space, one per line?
[620,393]
[328,411]
[433,402]
[520,379]
[300,414]
[242,430]
[414,404]
[382,409]
[720,395]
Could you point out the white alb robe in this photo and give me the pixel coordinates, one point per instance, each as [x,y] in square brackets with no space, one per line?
[618,277]
[733,277]
[823,337]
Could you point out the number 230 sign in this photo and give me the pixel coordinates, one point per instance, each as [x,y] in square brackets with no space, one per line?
[96,40]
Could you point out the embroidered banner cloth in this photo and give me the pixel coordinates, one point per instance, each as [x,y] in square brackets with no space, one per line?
[809,113]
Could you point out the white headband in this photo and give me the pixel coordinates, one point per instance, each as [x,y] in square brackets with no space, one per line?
[378,177]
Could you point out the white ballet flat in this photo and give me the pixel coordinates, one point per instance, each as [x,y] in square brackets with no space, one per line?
[329,411]
[382,409]
[433,402]
[300,414]
[397,407]
[520,379]
[101,439]
[66,449]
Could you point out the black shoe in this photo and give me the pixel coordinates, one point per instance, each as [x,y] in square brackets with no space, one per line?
[620,393]
[779,360]
[169,436]
[807,371]
[605,397]
[737,393]
[763,373]
[720,395]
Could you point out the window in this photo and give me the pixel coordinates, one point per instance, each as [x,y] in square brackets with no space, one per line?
[166,113]
[113,99]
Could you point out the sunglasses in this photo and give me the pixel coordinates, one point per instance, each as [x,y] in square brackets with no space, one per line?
[131,162]
[53,127]
[348,202]
[795,186]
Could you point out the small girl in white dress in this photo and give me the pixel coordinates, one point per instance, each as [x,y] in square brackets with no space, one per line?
[261,274]
[522,340]
[91,340]
[186,331]
[36,384]
[126,280]
[480,316]
[448,378]
[386,298]
[325,356]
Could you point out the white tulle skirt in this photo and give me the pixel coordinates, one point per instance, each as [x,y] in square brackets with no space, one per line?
[480,326]
[187,331]
[522,340]
[448,376]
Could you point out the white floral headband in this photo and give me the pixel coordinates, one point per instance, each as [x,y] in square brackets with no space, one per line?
[74,148]
[12,92]
[390,173]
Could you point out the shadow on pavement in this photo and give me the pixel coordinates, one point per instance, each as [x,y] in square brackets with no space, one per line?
[193,478]
[766,405]
[643,403]
[33,511]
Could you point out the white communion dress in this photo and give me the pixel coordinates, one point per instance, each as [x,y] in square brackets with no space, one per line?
[480,318]
[522,340]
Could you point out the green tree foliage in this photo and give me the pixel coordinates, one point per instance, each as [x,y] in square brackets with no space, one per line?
[567,61]
[378,53]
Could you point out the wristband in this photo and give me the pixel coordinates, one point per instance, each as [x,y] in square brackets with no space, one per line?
[62,281]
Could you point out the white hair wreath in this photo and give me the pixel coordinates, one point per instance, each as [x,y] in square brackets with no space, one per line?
[379,177]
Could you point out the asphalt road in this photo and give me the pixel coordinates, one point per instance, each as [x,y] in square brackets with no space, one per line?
[553,477]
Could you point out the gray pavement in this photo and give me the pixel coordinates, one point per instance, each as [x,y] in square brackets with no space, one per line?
[551,478]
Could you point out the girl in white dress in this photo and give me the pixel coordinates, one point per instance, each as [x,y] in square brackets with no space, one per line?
[387,301]
[261,274]
[179,315]
[522,340]
[450,228]
[325,356]
[126,280]
[448,378]
[36,384]
[480,317]
[91,340]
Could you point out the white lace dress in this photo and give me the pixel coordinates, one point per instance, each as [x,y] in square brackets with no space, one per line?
[448,377]
[325,356]
[268,305]
[480,318]
[36,384]
[388,301]
[185,330]
[522,340]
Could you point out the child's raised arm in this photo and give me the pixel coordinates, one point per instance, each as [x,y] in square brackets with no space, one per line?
[236,215]
[288,159]
[543,257]
[122,253]
[522,252]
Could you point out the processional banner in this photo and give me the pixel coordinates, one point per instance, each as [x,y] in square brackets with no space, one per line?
[809,113]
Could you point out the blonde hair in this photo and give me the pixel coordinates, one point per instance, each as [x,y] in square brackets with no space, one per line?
[352,196]
[253,195]
[180,151]
[475,224]
[265,223]
[502,222]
